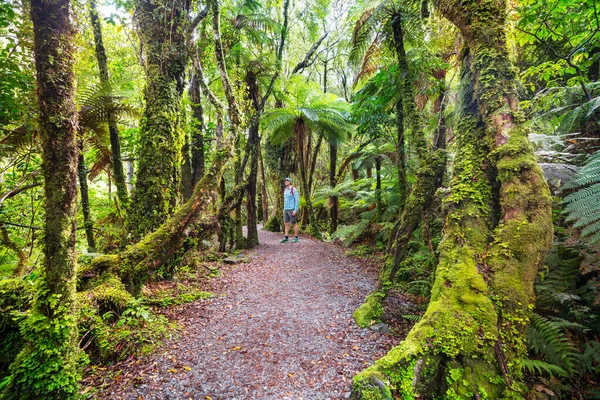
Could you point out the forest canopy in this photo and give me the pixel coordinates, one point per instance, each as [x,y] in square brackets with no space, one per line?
[453,142]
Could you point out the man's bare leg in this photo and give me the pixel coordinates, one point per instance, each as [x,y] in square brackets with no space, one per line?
[295,230]
[287,228]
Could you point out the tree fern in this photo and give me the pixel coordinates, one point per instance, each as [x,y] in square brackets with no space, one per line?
[586,197]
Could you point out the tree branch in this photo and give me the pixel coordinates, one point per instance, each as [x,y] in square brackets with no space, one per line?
[197,19]
[306,62]
[284,30]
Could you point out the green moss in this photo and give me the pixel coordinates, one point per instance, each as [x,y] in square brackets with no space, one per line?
[110,294]
[370,311]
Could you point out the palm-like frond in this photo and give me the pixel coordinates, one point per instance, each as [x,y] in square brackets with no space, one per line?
[558,173]
[280,123]
[370,61]
[16,140]
[582,205]
[361,37]
[323,114]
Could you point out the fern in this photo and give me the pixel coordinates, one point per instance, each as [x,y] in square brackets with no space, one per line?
[591,357]
[546,337]
[581,205]
[540,367]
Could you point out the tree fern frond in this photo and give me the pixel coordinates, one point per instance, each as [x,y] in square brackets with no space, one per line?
[592,228]
[540,367]
[559,172]
[371,60]
[363,29]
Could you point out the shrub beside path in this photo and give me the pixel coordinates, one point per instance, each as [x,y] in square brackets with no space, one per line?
[279,327]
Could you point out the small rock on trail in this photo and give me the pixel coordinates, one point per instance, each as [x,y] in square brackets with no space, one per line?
[280,328]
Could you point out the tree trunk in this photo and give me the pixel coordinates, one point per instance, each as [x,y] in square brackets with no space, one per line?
[85,200]
[378,187]
[186,168]
[252,238]
[113,129]
[263,185]
[471,339]
[197,139]
[47,365]
[252,151]
[162,32]
[333,200]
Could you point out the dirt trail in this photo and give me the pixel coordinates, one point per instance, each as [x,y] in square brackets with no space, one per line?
[280,328]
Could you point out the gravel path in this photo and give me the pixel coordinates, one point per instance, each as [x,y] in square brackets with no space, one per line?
[281,328]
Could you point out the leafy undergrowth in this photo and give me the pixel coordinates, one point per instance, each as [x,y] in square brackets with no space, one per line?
[145,323]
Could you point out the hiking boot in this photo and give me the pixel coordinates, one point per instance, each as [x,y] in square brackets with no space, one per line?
[296,240]
[284,240]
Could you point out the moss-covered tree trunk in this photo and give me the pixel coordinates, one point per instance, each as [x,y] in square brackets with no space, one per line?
[400,106]
[197,137]
[113,129]
[162,28]
[263,187]
[252,149]
[46,368]
[88,224]
[498,229]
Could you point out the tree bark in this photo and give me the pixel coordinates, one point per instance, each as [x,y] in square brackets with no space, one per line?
[400,136]
[162,27]
[113,129]
[263,185]
[47,365]
[197,139]
[471,339]
[186,168]
[88,224]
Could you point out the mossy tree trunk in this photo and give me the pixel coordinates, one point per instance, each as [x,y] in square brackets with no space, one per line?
[400,131]
[88,224]
[113,129]
[263,186]
[197,137]
[471,339]
[252,152]
[162,27]
[47,366]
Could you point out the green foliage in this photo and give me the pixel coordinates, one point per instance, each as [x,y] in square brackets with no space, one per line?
[46,366]
[583,205]
[323,113]
[546,337]
[16,66]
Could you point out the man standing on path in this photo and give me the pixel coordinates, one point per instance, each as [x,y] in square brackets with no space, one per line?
[291,201]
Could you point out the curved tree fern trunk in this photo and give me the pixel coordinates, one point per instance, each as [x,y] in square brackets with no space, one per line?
[46,368]
[471,339]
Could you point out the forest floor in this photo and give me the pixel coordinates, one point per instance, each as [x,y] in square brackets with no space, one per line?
[279,327]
